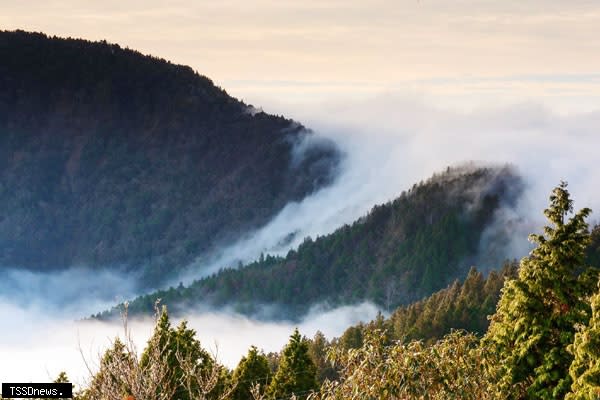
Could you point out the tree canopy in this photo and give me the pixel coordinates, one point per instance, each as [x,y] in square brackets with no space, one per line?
[253,369]
[297,372]
[538,311]
[585,368]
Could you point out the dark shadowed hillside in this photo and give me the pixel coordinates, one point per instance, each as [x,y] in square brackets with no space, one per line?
[398,253]
[462,305]
[466,306]
[109,157]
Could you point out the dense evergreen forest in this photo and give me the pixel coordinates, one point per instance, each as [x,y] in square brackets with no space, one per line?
[109,158]
[460,306]
[400,252]
[542,342]
[112,158]
[464,305]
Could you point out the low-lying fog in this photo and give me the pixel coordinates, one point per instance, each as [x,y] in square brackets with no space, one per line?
[36,345]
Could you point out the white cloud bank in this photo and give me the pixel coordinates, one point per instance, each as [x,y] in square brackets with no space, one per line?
[36,346]
[391,141]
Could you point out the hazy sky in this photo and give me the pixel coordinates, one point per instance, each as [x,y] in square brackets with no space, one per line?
[299,51]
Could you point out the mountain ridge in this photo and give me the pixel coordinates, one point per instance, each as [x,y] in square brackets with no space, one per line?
[398,253]
[112,158]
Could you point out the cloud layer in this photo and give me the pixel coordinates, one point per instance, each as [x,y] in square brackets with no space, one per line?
[391,141]
[36,346]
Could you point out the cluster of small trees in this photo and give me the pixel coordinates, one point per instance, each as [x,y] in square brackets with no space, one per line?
[460,306]
[175,366]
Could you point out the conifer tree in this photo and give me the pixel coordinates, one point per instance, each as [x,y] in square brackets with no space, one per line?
[352,338]
[318,348]
[61,378]
[177,345]
[536,315]
[585,369]
[252,369]
[106,376]
[296,374]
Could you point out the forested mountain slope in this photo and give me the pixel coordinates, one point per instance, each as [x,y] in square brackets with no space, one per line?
[541,342]
[112,158]
[398,253]
[460,306]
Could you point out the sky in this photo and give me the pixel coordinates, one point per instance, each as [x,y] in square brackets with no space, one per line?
[456,52]
[404,87]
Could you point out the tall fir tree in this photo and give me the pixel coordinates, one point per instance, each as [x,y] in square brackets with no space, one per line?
[106,377]
[251,370]
[318,348]
[538,311]
[177,345]
[297,372]
[585,369]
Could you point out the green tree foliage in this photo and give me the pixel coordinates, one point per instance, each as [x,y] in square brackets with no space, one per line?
[400,252]
[107,376]
[173,366]
[109,157]
[542,327]
[297,372]
[539,310]
[465,306]
[585,368]
[318,347]
[451,368]
[352,338]
[179,346]
[593,251]
[251,370]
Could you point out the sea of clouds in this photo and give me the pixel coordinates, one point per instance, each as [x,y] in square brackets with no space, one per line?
[391,141]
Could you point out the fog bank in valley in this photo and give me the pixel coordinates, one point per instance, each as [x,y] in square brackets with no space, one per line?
[391,142]
[37,345]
